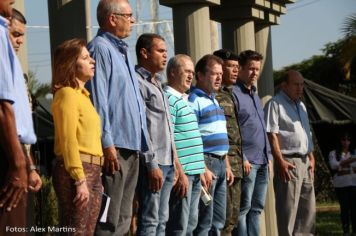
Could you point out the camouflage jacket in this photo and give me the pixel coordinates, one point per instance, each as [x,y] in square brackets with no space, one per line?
[226,101]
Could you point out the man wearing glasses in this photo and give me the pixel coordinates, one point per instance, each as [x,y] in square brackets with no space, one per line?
[116,96]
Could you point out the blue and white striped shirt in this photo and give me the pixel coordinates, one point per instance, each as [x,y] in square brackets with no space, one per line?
[211,120]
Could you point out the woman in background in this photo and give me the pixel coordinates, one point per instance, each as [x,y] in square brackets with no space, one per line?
[77,145]
[343,162]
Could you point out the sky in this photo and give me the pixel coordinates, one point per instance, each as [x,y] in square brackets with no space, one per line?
[304,30]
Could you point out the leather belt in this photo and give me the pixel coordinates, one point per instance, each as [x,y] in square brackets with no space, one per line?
[350,171]
[87,158]
[343,172]
[215,156]
[91,159]
[295,155]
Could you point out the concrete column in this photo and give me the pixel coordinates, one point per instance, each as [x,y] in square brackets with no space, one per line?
[67,20]
[264,46]
[22,54]
[238,35]
[214,30]
[266,91]
[88,24]
[192,37]
[191,20]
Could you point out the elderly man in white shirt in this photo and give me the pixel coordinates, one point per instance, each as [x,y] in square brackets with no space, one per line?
[291,143]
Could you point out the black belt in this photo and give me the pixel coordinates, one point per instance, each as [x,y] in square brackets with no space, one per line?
[295,155]
[215,156]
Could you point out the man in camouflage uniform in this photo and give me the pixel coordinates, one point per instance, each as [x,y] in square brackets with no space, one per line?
[226,101]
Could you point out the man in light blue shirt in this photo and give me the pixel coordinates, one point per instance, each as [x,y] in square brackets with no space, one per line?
[292,147]
[17,170]
[116,96]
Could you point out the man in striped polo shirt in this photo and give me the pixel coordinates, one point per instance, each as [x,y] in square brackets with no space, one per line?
[212,126]
[184,206]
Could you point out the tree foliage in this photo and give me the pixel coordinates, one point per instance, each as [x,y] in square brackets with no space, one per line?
[336,67]
[37,88]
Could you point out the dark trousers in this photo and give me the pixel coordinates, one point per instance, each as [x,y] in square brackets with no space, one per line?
[81,221]
[16,218]
[347,200]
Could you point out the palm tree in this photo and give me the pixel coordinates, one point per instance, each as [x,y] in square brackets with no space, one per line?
[348,50]
[349,26]
[36,88]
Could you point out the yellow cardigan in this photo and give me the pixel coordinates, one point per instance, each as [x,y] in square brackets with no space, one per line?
[77,128]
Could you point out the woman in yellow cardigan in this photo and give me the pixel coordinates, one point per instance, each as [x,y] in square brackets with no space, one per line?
[77,145]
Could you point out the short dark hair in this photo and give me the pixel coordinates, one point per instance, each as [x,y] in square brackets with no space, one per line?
[248,55]
[206,61]
[226,54]
[145,41]
[17,15]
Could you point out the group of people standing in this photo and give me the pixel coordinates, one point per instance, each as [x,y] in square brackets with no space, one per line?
[123,136]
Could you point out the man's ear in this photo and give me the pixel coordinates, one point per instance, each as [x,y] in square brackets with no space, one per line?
[199,74]
[144,53]
[112,21]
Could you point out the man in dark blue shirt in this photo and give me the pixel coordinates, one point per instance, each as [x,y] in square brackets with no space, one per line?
[255,145]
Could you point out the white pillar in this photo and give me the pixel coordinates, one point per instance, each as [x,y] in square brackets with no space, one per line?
[264,46]
[214,35]
[191,20]
[22,54]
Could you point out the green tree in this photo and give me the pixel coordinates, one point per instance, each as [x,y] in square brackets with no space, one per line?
[37,88]
[348,49]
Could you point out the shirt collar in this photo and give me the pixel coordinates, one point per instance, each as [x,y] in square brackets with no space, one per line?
[84,91]
[112,38]
[175,92]
[244,88]
[227,88]
[200,92]
[4,22]
[145,74]
[286,97]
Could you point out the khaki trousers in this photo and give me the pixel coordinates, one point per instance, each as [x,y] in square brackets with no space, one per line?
[295,200]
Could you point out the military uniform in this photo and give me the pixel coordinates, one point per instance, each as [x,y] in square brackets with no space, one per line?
[226,101]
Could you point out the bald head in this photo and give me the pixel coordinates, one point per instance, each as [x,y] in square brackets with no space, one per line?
[115,16]
[293,85]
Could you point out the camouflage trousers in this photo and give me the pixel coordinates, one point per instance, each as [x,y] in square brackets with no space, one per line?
[232,207]
[83,221]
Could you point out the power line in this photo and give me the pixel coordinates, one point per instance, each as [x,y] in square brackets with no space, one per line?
[153,22]
[304,5]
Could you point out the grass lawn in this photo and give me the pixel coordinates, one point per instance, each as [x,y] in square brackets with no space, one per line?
[328,219]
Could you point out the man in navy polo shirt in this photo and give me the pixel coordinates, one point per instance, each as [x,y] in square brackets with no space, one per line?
[255,145]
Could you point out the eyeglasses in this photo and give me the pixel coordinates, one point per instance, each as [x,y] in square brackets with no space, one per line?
[128,16]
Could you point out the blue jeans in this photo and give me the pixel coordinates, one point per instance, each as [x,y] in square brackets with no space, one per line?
[153,207]
[253,195]
[212,217]
[183,212]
